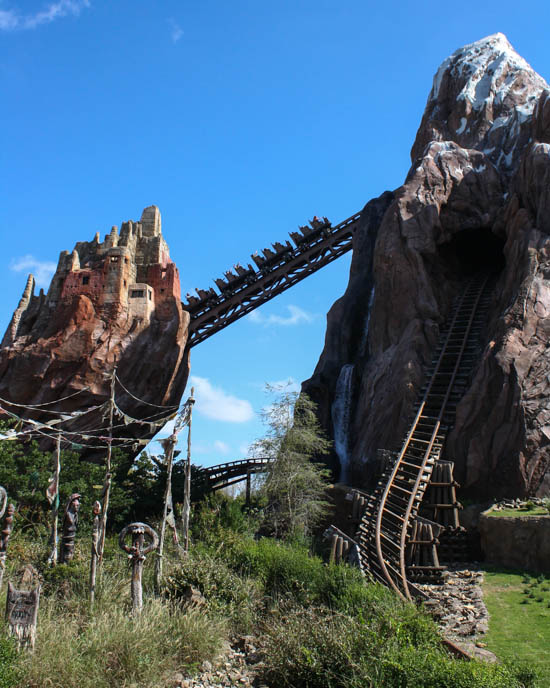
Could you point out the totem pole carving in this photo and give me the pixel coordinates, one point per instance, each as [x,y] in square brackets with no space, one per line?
[4,537]
[70,523]
[136,553]
[22,614]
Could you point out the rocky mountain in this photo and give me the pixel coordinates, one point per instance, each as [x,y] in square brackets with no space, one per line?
[110,303]
[477,196]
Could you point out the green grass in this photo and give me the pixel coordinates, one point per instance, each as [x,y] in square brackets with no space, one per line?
[515,513]
[519,626]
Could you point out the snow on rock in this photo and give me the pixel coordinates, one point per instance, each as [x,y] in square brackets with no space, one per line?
[483,96]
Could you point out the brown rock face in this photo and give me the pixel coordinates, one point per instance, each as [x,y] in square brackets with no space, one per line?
[115,302]
[476,197]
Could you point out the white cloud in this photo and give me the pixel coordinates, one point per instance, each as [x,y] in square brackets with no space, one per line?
[221,447]
[214,403]
[176,32]
[296,316]
[12,20]
[41,269]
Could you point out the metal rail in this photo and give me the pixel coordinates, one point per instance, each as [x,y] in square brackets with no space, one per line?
[278,270]
[386,523]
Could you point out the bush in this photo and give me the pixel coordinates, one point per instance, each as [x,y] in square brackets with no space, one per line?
[226,593]
[316,648]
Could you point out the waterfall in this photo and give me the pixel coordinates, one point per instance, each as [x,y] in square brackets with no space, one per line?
[364,338]
[341,418]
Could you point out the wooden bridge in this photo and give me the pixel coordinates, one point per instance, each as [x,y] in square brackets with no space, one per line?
[223,475]
[277,270]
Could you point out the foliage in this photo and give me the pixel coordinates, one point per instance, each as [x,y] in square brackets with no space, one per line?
[218,516]
[317,648]
[25,472]
[294,486]
[227,594]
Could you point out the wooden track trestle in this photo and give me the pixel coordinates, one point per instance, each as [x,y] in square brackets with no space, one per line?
[393,507]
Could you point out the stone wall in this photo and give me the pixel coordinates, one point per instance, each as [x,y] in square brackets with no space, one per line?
[518,542]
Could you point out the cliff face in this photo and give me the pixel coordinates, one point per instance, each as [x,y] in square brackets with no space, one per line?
[115,302]
[477,196]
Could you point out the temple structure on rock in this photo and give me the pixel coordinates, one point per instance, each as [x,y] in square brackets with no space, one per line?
[129,275]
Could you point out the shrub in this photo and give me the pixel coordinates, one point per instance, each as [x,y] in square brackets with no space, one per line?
[315,648]
[226,593]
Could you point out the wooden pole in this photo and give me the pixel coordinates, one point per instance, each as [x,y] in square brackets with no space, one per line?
[107,488]
[168,461]
[96,513]
[55,504]
[4,537]
[248,486]
[187,491]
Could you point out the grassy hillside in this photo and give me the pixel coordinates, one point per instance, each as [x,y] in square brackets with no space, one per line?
[317,626]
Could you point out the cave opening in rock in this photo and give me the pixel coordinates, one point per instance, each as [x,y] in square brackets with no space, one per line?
[473,250]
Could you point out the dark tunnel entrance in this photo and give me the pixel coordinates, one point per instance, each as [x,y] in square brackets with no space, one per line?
[473,250]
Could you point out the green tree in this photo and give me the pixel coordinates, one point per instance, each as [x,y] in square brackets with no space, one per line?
[295,485]
[25,471]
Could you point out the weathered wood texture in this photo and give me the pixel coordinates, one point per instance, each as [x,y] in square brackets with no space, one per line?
[70,523]
[137,552]
[96,528]
[4,538]
[22,614]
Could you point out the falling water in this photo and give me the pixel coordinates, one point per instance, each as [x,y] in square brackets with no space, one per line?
[364,338]
[341,418]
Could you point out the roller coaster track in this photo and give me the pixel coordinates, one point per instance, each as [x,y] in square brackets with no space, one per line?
[225,474]
[387,521]
[278,270]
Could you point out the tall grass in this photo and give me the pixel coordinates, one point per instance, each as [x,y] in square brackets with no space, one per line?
[107,647]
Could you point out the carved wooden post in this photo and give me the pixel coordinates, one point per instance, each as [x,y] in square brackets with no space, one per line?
[136,553]
[70,522]
[3,500]
[187,491]
[96,513]
[168,512]
[22,614]
[107,484]
[52,493]
[4,537]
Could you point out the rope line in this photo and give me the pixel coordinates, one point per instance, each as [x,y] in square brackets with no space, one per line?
[142,401]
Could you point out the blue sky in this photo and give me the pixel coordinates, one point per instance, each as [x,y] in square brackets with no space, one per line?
[240,120]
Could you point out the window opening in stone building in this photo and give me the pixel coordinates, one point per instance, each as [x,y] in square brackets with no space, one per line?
[85,279]
[137,294]
[124,282]
[150,295]
[162,291]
